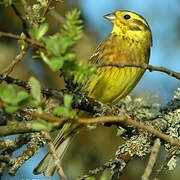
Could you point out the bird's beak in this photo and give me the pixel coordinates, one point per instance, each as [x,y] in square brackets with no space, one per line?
[110,17]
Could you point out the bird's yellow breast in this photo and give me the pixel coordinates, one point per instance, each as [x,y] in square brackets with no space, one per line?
[112,83]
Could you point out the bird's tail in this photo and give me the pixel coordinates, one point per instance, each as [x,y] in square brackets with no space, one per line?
[47,165]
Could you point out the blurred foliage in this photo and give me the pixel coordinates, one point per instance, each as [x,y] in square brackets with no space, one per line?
[60,46]
[66,110]
[9,2]
[13,100]
[64,57]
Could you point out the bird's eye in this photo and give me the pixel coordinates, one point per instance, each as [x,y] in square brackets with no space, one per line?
[127,16]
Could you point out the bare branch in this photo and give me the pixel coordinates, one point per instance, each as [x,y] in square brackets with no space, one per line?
[169,155]
[144,66]
[34,144]
[21,18]
[46,92]
[106,119]
[137,145]
[16,127]
[107,165]
[152,159]
[15,61]
[46,8]
[24,38]
[52,150]
[134,123]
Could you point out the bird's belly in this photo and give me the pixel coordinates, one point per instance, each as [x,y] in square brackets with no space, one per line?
[112,83]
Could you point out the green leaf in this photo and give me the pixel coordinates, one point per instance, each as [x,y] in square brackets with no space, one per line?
[64,112]
[60,111]
[8,94]
[55,63]
[90,178]
[21,97]
[82,72]
[38,126]
[42,126]
[22,43]
[12,99]
[67,101]
[41,31]
[53,45]
[69,57]
[35,89]
[66,43]
[72,114]
[45,58]
[11,109]
[42,19]
[73,27]
[60,46]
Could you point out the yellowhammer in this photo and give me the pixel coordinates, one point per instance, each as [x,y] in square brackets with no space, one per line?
[129,41]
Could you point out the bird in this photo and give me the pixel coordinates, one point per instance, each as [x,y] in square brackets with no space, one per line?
[129,42]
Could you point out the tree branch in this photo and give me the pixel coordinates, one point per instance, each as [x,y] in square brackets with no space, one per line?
[24,38]
[15,127]
[144,66]
[15,61]
[21,19]
[152,159]
[34,142]
[46,8]
[124,119]
[54,155]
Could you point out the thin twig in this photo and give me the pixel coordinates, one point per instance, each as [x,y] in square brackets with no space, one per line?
[52,150]
[107,119]
[12,145]
[17,37]
[44,116]
[145,66]
[124,119]
[152,159]
[117,168]
[26,86]
[18,82]
[96,171]
[15,61]
[116,64]
[22,20]
[46,8]
[34,143]
[169,155]
[16,127]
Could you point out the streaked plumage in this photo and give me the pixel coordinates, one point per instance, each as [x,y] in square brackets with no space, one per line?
[111,83]
[129,41]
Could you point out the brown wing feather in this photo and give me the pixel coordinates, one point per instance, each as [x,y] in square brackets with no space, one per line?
[111,83]
[117,49]
[95,58]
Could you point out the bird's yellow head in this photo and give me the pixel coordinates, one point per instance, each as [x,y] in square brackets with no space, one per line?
[130,25]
